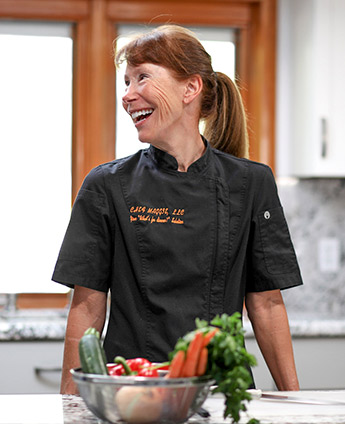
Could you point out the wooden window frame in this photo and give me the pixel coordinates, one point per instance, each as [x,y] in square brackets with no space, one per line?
[94,23]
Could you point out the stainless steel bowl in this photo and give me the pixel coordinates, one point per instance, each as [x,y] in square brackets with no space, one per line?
[142,399]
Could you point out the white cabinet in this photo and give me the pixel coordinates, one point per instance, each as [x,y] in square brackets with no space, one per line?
[319,362]
[311,88]
[30,367]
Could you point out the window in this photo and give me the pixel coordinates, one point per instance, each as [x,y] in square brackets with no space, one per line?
[35,152]
[94,29]
[218,42]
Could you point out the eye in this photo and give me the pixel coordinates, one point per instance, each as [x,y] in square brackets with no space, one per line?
[126,82]
[142,77]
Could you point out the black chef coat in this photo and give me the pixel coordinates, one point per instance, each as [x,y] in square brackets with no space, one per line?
[172,246]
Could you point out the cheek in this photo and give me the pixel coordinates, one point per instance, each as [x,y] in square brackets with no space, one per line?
[166,98]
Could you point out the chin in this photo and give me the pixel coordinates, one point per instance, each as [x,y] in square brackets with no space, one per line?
[144,139]
[155,141]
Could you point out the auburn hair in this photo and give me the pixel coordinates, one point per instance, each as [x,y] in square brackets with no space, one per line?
[179,50]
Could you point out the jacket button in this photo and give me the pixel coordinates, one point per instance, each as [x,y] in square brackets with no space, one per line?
[267,215]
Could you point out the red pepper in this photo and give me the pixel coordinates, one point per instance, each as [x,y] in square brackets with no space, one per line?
[115,369]
[136,366]
[137,363]
[128,367]
[148,372]
[164,366]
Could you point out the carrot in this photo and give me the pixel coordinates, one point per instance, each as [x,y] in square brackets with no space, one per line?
[202,364]
[192,357]
[209,336]
[176,365]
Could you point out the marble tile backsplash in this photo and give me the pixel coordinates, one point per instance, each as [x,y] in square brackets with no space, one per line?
[315,212]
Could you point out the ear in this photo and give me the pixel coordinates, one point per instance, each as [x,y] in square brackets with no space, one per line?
[193,88]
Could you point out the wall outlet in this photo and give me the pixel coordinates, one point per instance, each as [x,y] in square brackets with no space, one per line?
[329,254]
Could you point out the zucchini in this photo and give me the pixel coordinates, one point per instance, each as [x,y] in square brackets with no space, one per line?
[91,353]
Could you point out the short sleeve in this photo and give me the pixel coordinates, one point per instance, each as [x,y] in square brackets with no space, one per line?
[85,255]
[271,256]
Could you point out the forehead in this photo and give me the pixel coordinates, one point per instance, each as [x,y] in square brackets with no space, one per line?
[149,68]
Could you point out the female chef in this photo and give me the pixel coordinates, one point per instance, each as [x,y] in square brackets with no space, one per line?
[185,228]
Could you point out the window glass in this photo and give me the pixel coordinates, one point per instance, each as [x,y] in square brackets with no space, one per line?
[218,42]
[35,152]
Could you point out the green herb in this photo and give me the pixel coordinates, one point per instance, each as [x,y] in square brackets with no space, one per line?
[228,362]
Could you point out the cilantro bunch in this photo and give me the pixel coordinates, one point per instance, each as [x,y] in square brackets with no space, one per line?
[228,361]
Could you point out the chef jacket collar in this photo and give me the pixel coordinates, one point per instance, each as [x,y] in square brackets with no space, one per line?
[166,161]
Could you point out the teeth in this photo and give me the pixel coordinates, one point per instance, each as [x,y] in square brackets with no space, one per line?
[135,115]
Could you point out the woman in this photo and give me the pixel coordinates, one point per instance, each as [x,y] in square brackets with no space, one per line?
[181,229]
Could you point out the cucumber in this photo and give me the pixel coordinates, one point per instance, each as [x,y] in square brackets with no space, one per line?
[91,353]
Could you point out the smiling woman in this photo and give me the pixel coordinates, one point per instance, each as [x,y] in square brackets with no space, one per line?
[174,232]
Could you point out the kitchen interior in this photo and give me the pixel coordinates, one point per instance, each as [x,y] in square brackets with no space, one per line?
[309,158]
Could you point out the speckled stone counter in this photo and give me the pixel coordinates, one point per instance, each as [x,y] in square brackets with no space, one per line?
[30,325]
[26,325]
[309,327]
[69,409]
[76,412]
[268,412]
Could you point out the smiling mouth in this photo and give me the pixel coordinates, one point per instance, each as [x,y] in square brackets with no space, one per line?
[140,115]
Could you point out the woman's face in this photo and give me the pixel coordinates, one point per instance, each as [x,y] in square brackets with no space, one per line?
[154,100]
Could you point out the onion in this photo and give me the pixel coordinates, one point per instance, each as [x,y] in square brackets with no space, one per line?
[139,404]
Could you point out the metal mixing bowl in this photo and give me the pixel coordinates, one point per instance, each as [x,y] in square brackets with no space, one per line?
[142,399]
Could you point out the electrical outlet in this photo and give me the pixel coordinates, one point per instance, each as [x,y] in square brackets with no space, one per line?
[329,254]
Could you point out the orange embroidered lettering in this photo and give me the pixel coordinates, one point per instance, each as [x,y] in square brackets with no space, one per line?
[158,211]
[177,221]
[163,220]
[144,217]
[137,209]
[156,215]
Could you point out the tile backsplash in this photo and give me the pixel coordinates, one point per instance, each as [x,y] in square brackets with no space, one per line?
[315,212]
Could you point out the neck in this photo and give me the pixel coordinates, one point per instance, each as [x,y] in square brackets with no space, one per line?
[186,152]
[189,154]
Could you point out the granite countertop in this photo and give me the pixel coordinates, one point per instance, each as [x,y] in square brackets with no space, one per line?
[71,409]
[33,324]
[302,326]
[50,324]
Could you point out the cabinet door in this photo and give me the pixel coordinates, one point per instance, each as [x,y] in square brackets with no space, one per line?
[311,88]
[320,362]
[30,367]
[337,89]
[329,107]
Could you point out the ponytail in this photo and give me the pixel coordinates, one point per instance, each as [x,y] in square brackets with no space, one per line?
[225,128]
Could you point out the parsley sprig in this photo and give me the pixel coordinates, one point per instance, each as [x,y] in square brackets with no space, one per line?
[228,362]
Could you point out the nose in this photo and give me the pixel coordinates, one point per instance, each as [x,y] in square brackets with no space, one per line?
[129,96]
